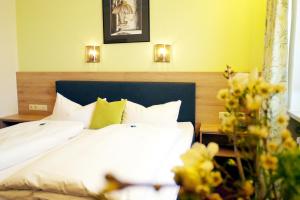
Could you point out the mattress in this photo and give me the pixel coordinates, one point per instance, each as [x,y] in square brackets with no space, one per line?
[162,174]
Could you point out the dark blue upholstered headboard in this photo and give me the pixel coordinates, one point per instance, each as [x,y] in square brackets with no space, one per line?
[144,93]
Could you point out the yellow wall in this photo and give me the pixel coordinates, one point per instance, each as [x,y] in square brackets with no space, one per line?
[205,34]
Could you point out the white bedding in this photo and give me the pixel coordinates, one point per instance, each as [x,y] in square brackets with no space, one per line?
[164,174]
[24,141]
[142,154]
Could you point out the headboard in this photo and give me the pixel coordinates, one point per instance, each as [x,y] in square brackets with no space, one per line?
[144,93]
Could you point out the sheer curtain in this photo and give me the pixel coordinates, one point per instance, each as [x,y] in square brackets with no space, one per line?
[275,69]
[294,61]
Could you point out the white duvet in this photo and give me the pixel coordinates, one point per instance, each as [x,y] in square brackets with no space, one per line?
[24,141]
[135,154]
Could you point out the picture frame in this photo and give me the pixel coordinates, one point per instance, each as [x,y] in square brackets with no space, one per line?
[126,21]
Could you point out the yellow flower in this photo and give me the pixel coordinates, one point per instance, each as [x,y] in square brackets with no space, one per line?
[279,88]
[262,132]
[232,103]
[253,103]
[212,149]
[200,156]
[282,120]
[227,128]
[206,166]
[178,175]
[272,146]
[188,177]
[264,89]
[195,174]
[239,80]
[238,91]
[214,196]
[223,94]
[229,119]
[194,155]
[285,134]
[289,143]
[253,77]
[191,178]
[231,162]
[216,179]
[203,189]
[206,179]
[241,116]
[238,85]
[269,162]
[228,123]
[248,188]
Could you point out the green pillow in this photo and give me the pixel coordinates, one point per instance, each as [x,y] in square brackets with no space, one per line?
[106,113]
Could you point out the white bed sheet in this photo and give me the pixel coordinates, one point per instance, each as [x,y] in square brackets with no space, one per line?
[162,174]
[26,140]
[11,170]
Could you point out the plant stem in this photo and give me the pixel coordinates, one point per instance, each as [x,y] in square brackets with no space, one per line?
[261,181]
[222,169]
[238,159]
[274,191]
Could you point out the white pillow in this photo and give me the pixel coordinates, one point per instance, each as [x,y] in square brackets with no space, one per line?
[83,114]
[162,115]
[67,110]
[63,107]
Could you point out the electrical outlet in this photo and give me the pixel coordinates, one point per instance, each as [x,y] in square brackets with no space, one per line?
[222,115]
[43,107]
[38,107]
[31,107]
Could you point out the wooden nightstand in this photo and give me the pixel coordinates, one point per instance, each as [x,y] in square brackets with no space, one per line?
[19,118]
[210,133]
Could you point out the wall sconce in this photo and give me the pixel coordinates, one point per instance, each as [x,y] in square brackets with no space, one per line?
[162,53]
[92,54]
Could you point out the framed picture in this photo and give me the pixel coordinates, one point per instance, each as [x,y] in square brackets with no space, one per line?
[126,21]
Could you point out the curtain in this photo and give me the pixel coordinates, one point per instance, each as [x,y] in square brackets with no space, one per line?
[275,68]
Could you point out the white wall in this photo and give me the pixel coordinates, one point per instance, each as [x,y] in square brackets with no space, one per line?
[8,57]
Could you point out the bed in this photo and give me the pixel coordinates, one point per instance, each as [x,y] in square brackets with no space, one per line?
[139,153]
[22,142]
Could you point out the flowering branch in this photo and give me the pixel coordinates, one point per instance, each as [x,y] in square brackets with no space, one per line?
[238,158]
[263,163]
[228,74]
[112,184]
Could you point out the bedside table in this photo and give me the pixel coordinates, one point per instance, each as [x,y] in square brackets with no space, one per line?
[19,118]
[210,133]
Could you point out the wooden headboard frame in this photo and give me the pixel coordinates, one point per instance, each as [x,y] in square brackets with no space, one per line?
[39,88]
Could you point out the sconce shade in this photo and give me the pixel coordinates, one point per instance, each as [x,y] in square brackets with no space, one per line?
[162,53]
[92,54]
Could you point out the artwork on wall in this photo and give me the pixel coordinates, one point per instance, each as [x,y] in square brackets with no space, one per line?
[126,21]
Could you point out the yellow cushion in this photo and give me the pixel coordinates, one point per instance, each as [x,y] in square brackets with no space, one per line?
[106,113]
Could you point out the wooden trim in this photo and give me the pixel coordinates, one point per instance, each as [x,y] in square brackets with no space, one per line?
[39,88]
[2,125]
[227,153]
[211,128]
[22,118]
